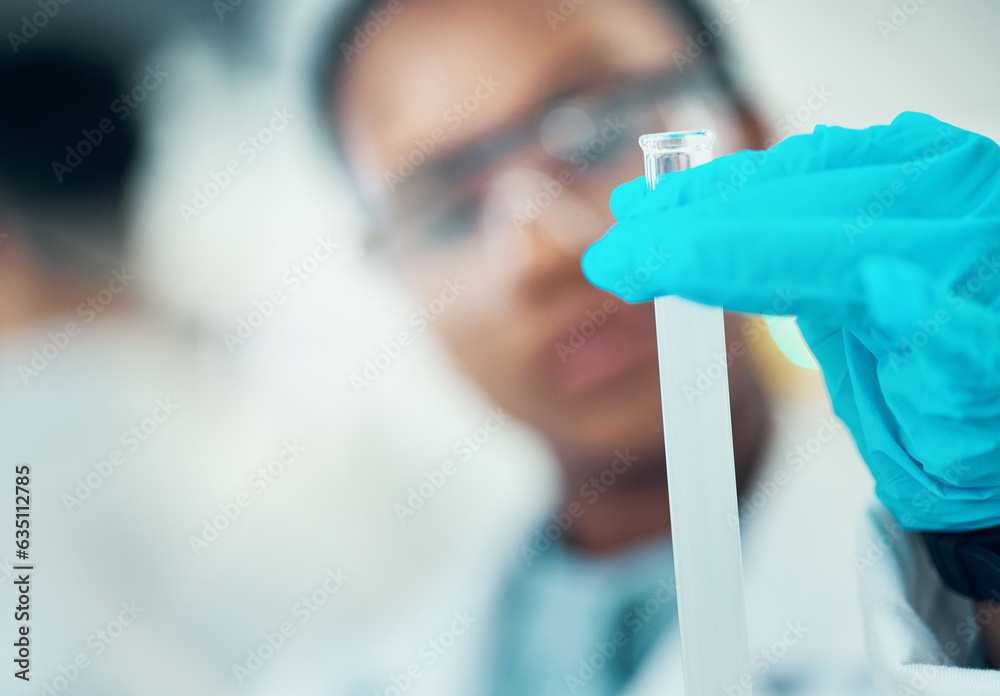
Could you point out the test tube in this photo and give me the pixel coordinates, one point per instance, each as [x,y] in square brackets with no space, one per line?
[701,475]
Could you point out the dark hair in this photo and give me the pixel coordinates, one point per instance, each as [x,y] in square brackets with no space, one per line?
[65,156]
[331,66]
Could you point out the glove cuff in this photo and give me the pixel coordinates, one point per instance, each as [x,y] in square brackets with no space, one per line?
[968,562]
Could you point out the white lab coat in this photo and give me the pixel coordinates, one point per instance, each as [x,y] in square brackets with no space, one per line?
[827,615]
[921,635]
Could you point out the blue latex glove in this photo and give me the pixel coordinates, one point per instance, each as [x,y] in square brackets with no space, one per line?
[885,244]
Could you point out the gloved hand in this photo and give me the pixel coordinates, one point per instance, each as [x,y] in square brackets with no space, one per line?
[886,243]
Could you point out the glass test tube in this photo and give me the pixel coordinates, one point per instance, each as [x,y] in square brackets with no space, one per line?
[700,470]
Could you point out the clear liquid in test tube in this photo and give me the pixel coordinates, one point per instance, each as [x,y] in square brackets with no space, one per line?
[701,474]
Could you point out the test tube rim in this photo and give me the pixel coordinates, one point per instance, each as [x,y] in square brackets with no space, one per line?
[677,141]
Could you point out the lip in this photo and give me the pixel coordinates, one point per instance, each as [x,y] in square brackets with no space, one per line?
[586,356]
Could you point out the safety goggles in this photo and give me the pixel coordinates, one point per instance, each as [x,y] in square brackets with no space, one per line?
[582,143]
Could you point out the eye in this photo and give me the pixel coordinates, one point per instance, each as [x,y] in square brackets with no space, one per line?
[452,224]
[612,149]
[616,132]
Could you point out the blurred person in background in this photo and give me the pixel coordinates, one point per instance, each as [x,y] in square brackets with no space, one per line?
[149,570]
[485,139]
[66,161]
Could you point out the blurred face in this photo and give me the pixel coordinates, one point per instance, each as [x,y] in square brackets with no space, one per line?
[488,137]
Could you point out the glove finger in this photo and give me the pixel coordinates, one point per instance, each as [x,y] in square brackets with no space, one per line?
[763,266]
